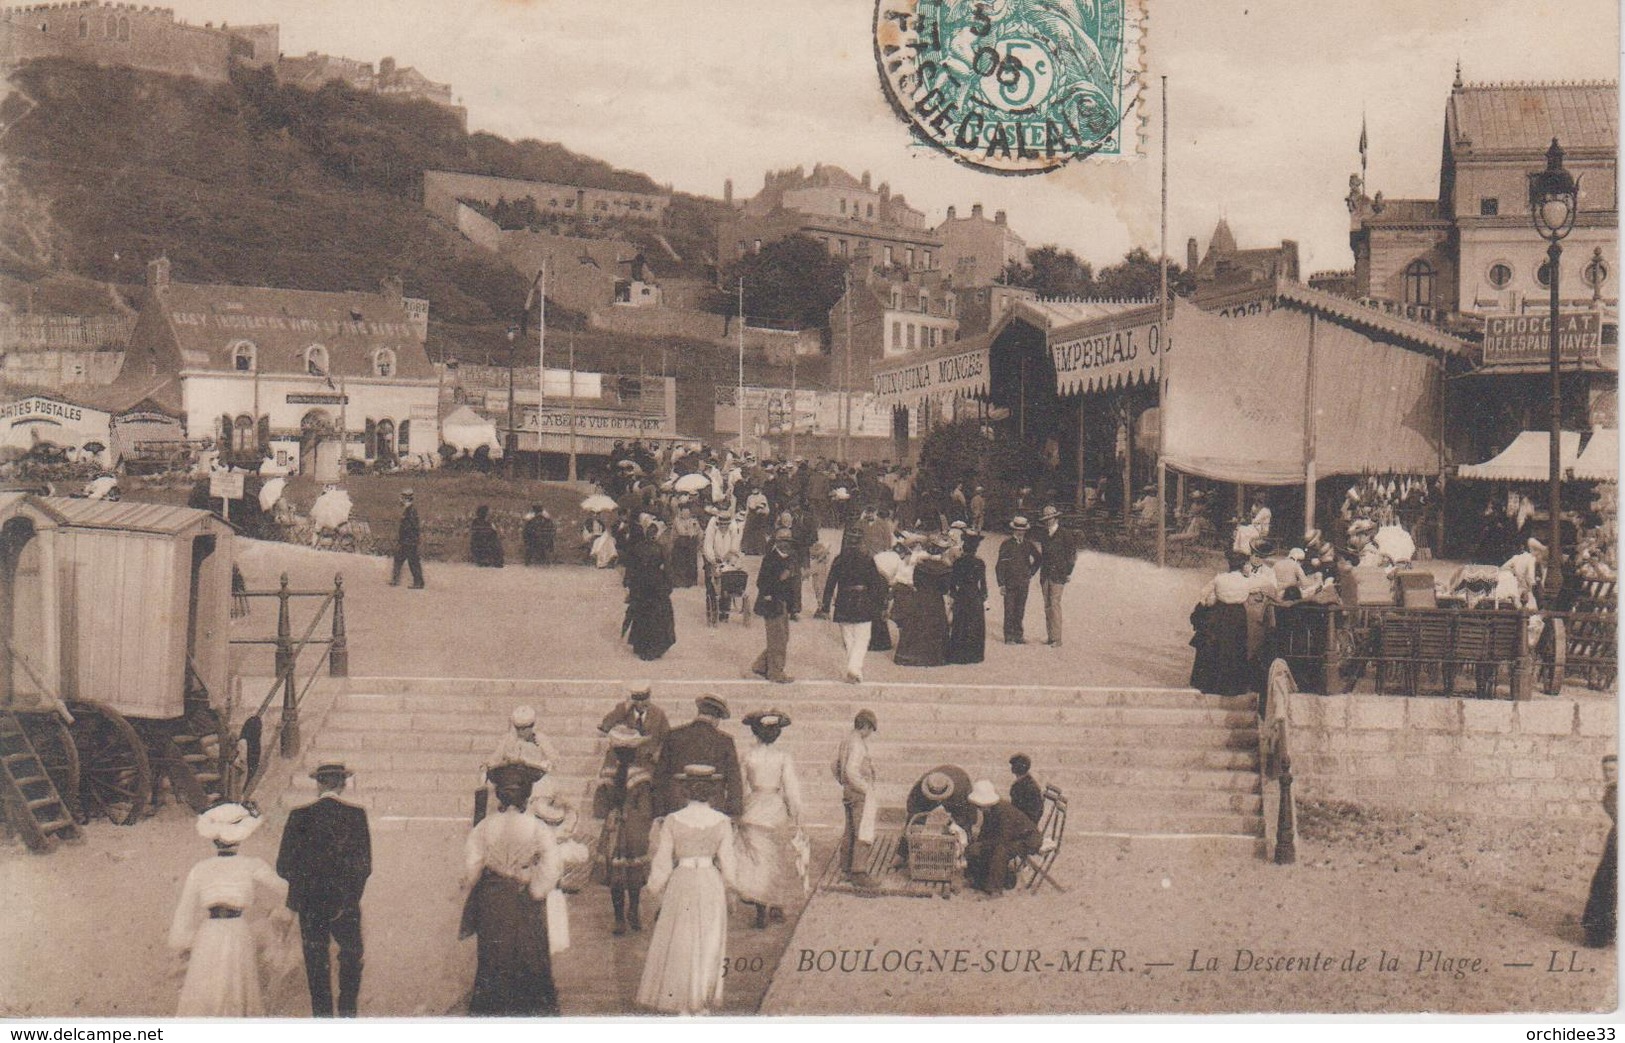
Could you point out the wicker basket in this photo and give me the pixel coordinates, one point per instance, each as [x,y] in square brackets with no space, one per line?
[932,849]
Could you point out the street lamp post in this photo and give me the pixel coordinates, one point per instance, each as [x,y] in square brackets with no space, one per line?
[512,443]
[1553,202]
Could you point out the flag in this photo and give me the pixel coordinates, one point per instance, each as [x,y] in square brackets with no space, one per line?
[1364,141]
[533,296]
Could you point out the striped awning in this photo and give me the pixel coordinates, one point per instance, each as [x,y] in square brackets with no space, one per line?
[959,370]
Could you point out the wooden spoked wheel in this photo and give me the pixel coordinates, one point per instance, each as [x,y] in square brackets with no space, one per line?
[115,774]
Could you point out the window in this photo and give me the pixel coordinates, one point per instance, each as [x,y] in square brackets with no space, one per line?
[1489,206]
[896,335]
[403,437]
[385,434]
[886,254]
[756,247]
[1544,275]
[909,253]
[1596,272]
[84,28]
[871,210]
[843,206]
[843,248]
[1419,283]
[1500,275]
[242,357]
[911,336]
[383,363]
[242,434]
[316,361]
[928,260]
[124,29]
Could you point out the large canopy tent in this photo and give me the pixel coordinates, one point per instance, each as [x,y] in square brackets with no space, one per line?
[465,429]
[1527,459]
[1278,387]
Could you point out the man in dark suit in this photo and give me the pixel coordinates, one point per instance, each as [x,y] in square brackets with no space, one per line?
[407,542]
[1060,552]
[1004,835]
[638,712]
[326,857]
[856,589]
[701,742]
[1019,559]
[778,600]
[1025,793]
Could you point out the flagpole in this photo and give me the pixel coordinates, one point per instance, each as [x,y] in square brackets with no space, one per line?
[741,393]
[541,363]
[1162,384]
[572,475]
[344,431]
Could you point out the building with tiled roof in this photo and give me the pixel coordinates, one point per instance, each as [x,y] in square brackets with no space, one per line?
[847,215]
[975,250]
[274,370]
[1226,269]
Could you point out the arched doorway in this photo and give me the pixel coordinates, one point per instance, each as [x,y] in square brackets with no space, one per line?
[315,427]
[385,436]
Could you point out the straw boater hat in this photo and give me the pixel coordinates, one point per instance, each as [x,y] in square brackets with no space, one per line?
[332,770]
[710,706]
[767,719]
[697,773]
[227,824]
[983,795]
[1048,512]
[1019,524]
[936,786]
[622,736]
[639,691]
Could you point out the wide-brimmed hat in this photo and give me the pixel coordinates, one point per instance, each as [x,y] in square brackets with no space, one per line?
[866,717]
[551,814]
[1019,524]
[407,494]
[622,736]
[1535,546]
[983,795]
[1262,546]
[959,525]
[1048,512]
[711,706]
[936,786]
[228,823]
[512,777]
[774,718]
[1361,526]
[522,717]
[332,770]
[639,691]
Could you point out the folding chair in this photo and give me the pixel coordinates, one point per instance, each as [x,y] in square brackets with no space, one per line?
[1051,827]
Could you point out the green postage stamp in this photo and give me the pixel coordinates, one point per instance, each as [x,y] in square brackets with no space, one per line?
[1014,86]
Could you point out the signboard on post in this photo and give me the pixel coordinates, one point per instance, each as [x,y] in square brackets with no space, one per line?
[226,486]
[1524,340]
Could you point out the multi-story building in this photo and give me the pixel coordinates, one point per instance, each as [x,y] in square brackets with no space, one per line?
[402,83]
[1226,270]
[1471,259]
[890,318]
[443,188]
[147,38]
[976,251]
[273,370]
[62,351]
[847,215]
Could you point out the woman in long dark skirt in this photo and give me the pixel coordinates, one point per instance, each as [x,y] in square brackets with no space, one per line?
[484,542]
[651,627]
[1220,624]
[923,641]
[967,636]
[510,865]
[685,548]
[1601,911]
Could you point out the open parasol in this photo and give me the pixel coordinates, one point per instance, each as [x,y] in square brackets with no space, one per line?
[692,483]
[331,509]
[271,492]
[598,502]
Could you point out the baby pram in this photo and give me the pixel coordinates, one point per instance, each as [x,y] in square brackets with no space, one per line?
[726,589]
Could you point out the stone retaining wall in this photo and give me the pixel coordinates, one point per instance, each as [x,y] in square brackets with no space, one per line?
[1533,759]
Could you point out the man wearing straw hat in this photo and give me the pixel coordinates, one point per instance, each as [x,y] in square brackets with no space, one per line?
[701,741]
[326,857]
[1018,562]
[855,771]
[408,539]
[1003,835]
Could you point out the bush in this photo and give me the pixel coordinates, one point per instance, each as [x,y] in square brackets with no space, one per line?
[959,452]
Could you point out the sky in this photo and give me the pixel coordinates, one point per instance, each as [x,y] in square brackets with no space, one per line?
[1265,99]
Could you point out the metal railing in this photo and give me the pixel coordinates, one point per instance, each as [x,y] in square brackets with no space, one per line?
[288,651]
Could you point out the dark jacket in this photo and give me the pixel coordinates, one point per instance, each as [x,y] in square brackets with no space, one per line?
[410,531]
[778,584]
[1027,797]
[699,742]
[856,587]
[1018,562]
[539,533]
[1060,552]
[326,855]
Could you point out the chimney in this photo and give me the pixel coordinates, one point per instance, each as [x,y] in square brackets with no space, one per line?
[885,192]
[728,192]
[1289,259]
[1192,257]
[999,217]
[865,179]
[976,211]
[158,273]
[952,216]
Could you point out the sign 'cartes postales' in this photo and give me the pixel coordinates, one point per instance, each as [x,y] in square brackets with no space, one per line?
[1011,86]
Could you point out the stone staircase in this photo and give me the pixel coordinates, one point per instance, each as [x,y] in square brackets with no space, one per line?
[1136,764]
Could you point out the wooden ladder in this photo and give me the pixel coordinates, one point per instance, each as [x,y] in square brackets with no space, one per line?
[33,805]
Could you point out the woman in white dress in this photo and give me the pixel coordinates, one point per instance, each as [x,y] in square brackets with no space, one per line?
[770,872]
[222,973]
[694,865]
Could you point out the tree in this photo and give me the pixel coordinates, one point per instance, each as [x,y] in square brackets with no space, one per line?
[1053,272]
[1137,276]
[794,280]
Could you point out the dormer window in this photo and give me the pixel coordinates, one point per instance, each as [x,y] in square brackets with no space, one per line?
[316,361]
[242,357]
[383,363]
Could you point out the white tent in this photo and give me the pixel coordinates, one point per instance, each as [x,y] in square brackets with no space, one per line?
[1527,459]
[466,429]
